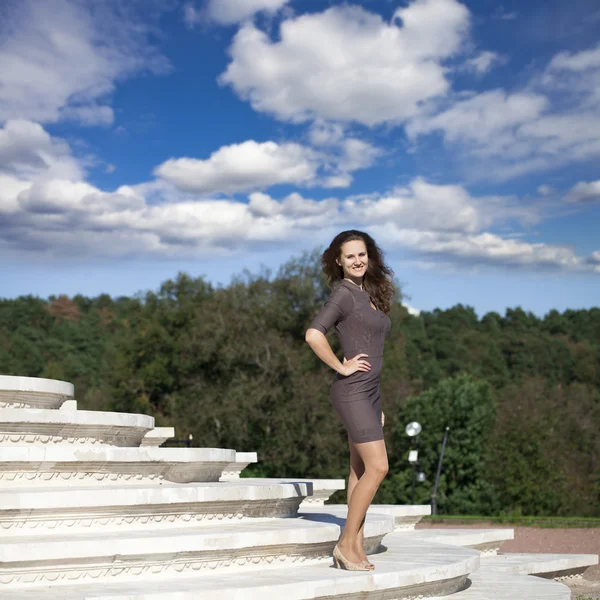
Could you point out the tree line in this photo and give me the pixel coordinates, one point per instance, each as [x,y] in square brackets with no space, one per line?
[521,394]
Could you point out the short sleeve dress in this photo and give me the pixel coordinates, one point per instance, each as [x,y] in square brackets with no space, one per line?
[361,330]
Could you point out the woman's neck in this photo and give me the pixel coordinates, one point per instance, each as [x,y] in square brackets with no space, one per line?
[357,281]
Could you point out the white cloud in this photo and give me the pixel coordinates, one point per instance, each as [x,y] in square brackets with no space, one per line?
[576,61]
[483,62]
[243,167]
[584,191]
[64,217]
[429,207]
[255,165]
[483,249]
[594,260]
[325,133]
[229,12]
[554,121]
[486,120]
[60,59]
[347,64]
[27,150]
[415,312]
[294,205]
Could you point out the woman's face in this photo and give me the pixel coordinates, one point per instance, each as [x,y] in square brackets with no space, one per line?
[354,259]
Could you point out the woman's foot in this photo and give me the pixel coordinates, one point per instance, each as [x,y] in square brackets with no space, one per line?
[342,562]
[360,549]
[351,553]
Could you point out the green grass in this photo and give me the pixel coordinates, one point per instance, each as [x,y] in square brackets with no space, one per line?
[545,522]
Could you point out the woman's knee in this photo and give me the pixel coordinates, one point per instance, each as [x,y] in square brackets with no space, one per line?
[379,467]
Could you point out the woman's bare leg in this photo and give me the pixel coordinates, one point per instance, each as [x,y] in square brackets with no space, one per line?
[357,469]
[374,458]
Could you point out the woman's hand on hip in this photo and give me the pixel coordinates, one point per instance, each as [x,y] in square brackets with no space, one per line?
[382,419]
[358,363]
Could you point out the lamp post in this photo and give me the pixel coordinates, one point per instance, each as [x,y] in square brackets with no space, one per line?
[413,430]
[437,476]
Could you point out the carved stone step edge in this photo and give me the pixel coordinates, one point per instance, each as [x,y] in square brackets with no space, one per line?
[242,460]
[27,561]
[489,585]
[412,572]
[319,489]
[41,511]
[553,566]
[32,466]
[158,436]
[486,541]
[28,427]
[406,515]
[33,392]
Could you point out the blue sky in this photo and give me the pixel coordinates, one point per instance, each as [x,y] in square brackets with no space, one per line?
[141,139]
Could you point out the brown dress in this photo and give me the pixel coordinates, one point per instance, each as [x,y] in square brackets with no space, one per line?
[361,330]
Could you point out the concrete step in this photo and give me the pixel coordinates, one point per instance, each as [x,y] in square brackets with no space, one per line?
[58,510]
[158,436]
[140,555]
[415,571]
[242,460]
[33,392]
[405,516]
[73,466]
[487,541]
[319,489]
[72,428]
[491,585]
[550,566]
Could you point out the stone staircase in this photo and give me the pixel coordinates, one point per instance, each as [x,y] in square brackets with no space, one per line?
[92,507]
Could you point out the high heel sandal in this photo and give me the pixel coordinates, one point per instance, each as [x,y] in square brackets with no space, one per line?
[341,562]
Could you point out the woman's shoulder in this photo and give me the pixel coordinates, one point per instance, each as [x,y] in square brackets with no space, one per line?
[341,295]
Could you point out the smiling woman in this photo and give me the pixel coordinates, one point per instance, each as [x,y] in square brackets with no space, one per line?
[357,308]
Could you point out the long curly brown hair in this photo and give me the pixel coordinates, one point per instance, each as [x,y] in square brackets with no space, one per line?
[377,281]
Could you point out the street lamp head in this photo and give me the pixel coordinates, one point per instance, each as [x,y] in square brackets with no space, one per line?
[413,429]
[421,477]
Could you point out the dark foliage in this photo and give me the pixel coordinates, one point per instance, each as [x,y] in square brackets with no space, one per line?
[229,365]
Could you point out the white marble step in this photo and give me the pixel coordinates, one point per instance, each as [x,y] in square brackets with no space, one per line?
[242,460]
[487,541]
[39,465]
[158,436]
[319,489]
[551,566]
[492,585]
[33,392]
[26,427]
[138,555]
[405,516]
[413,571]
[44,509]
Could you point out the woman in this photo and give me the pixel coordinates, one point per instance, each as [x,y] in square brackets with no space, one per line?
[361,297]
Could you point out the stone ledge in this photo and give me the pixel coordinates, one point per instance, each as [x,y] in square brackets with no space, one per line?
[158,436]
[72,427]
[406,516]
[242,460]
[319,490]
[489,585]
[551,566]
[418,571]
[35,465]
[114,556]
[33,392]
[58,511]
[487,541]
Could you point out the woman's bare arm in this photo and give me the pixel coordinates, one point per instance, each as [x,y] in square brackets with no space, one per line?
[318,342]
